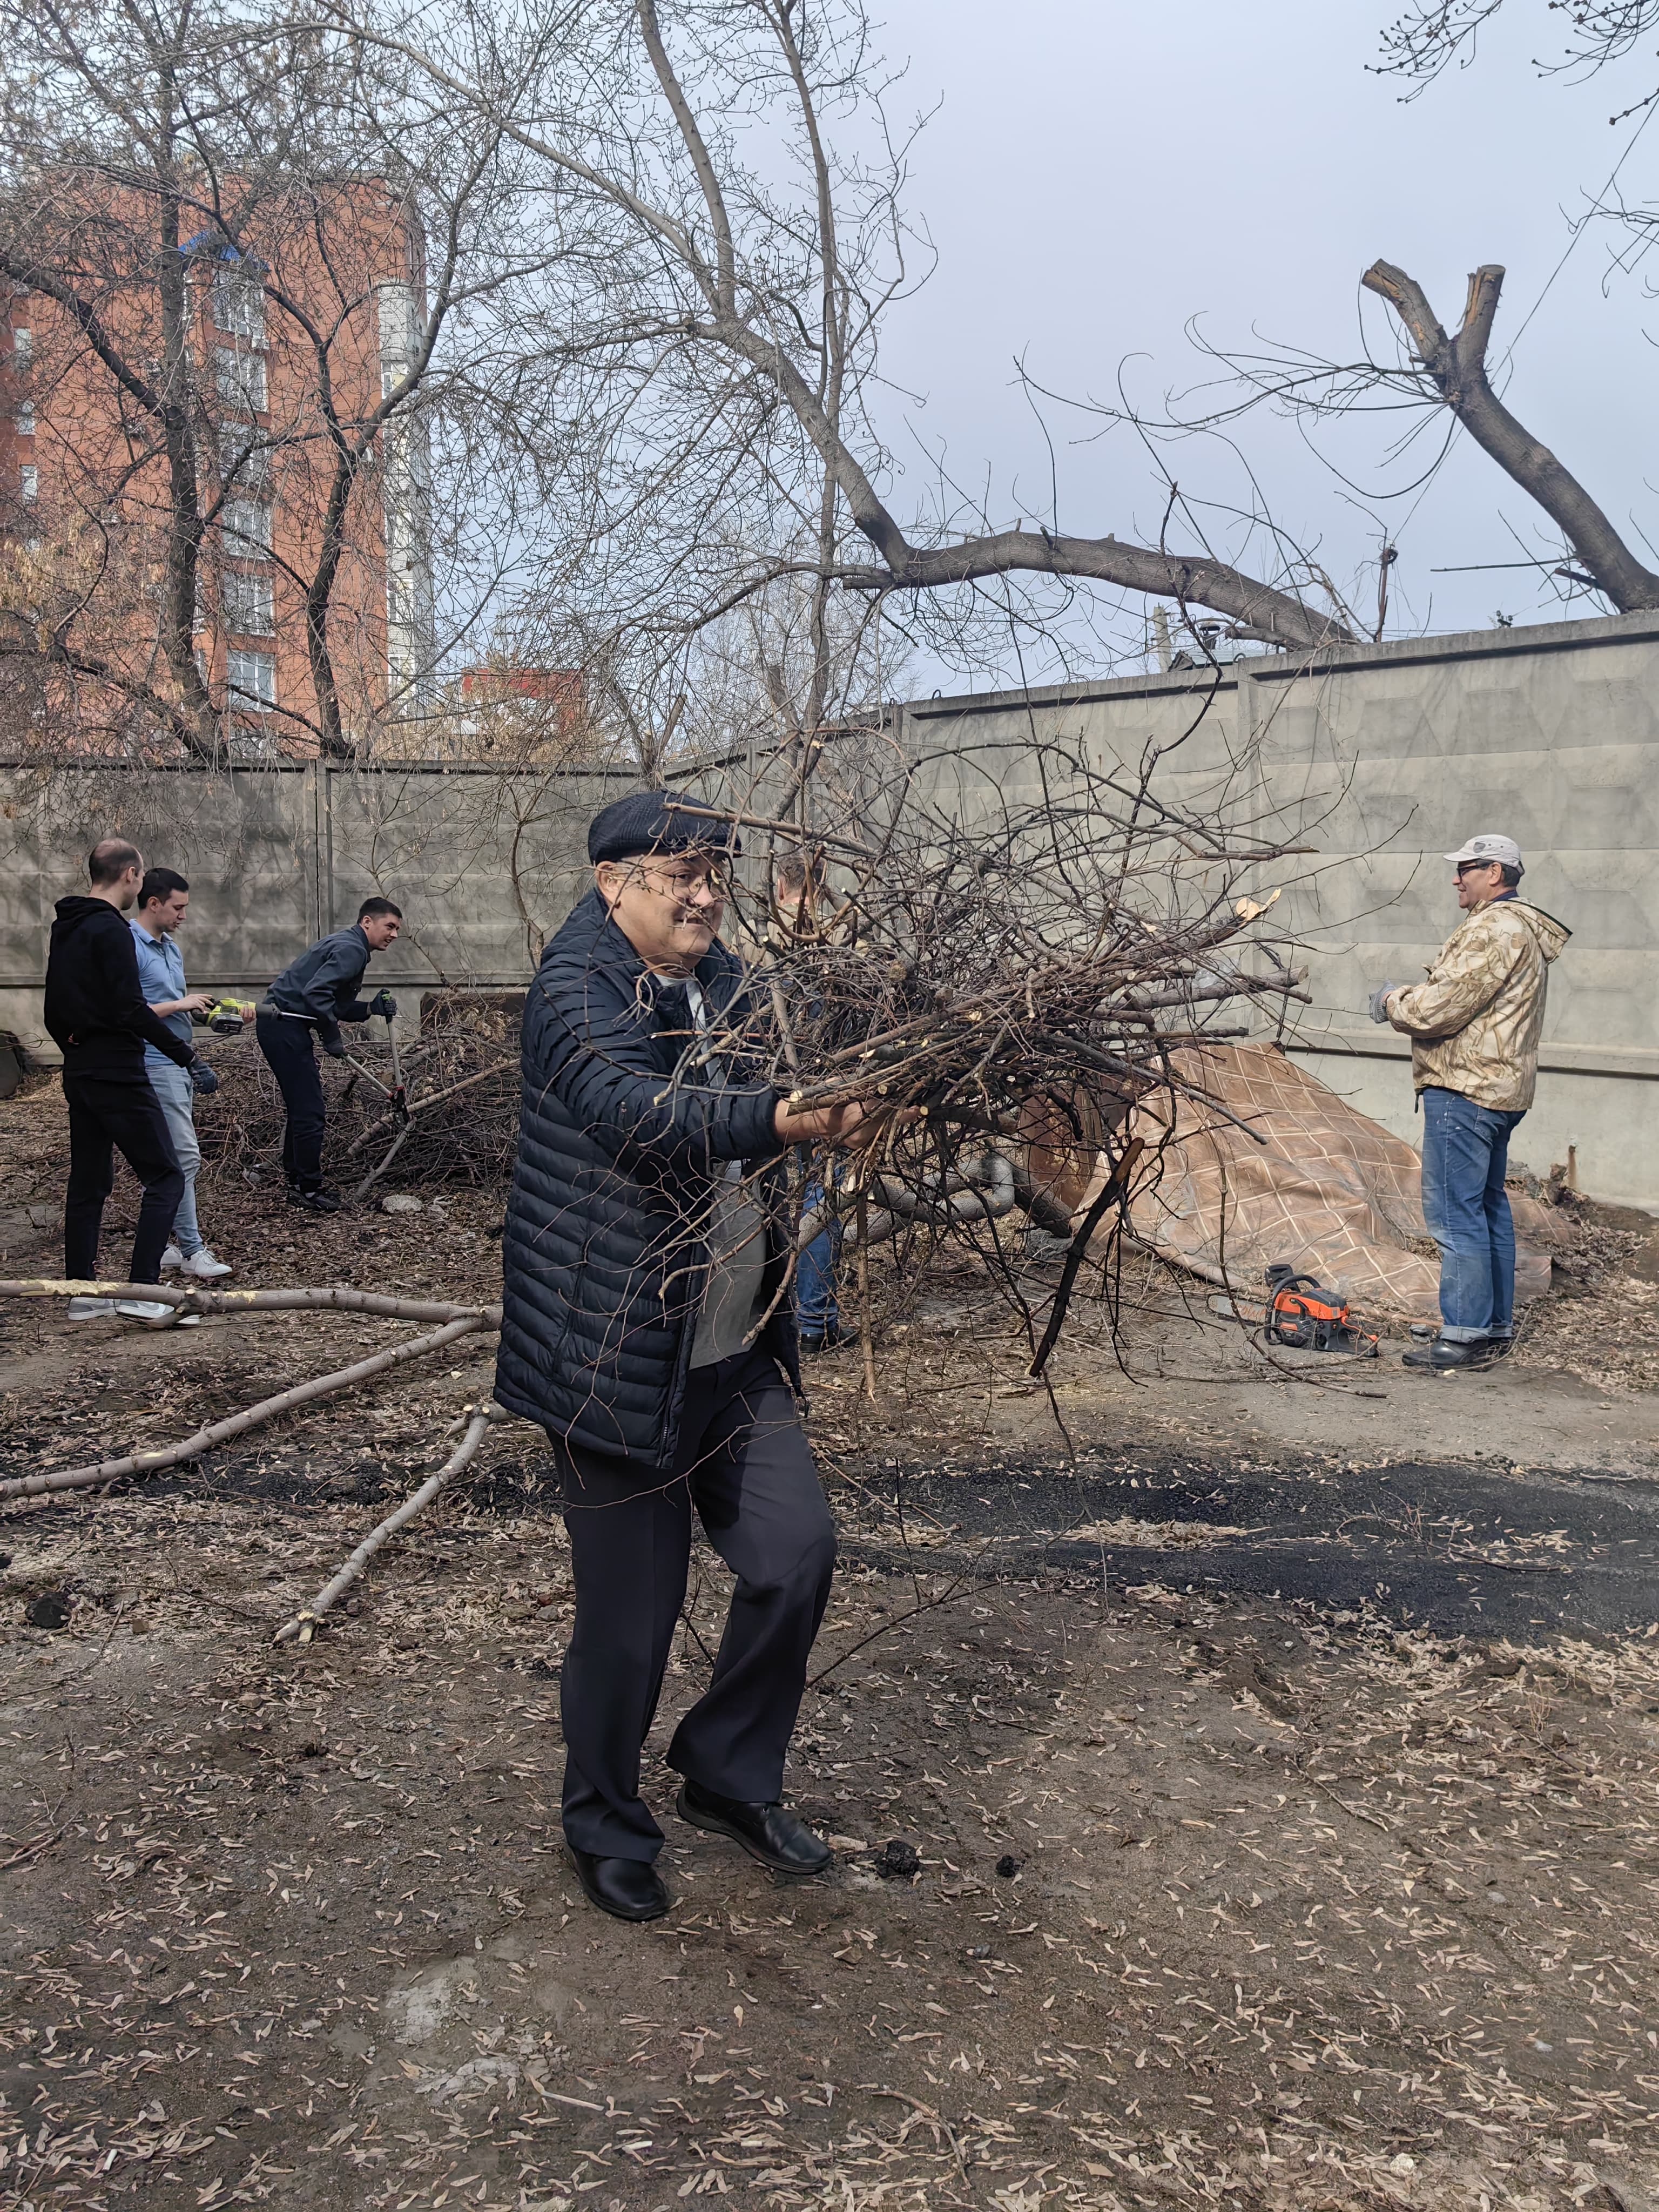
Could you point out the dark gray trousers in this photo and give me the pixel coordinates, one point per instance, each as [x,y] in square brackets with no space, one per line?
[744,1463]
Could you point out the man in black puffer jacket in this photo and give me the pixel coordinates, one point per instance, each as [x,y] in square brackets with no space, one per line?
[646,1320]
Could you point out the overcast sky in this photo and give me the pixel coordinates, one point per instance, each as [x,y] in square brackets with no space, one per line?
[1101,171]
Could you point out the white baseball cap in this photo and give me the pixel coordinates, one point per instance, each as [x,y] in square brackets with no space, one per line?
[1487,845]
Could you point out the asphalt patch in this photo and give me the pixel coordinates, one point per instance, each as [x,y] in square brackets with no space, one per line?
[1455,1549]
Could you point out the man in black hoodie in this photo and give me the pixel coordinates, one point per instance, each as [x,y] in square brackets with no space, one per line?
[96,1013]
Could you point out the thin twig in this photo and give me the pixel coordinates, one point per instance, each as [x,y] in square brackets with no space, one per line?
[928,1605]
[1080,1251]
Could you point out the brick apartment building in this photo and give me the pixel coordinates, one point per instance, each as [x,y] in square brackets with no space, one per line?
[290,337]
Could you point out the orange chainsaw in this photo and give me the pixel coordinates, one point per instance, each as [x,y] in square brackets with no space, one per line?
[1299,1313]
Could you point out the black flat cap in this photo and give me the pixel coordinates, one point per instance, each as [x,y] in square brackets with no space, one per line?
[654,822]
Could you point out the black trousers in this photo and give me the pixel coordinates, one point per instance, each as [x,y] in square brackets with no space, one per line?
[745,1465]
[292,1060]
[106,1117]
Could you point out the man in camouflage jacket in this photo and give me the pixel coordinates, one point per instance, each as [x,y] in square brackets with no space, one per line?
[1474,1026]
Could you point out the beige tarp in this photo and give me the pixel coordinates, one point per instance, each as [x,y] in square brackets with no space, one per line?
[1330,1191]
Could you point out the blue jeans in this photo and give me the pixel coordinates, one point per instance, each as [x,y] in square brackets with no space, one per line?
[816,1312]
[177,1094]
[1466,1153]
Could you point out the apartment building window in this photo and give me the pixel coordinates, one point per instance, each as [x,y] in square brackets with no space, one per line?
[246,528]
[241,462]
[242,379]
[246,600]
[25,419]
[251,680]
[23,348]
[28,481]
[239,305]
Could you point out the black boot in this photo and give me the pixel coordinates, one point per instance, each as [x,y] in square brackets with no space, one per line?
[1440,1357]
[314,1201]
[627,1889]
[773,1834]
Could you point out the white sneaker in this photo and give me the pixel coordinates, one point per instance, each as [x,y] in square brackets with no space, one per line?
[91,1309]
[143,1309]
[172,1258]
[204,1266]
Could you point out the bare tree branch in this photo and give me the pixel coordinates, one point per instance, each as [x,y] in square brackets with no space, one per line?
[1457,367]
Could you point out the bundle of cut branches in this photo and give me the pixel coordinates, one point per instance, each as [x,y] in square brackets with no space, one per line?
[1015,963]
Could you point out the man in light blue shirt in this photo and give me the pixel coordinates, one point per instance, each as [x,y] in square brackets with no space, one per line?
[163,902]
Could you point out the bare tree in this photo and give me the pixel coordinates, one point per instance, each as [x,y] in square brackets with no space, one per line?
[240,277]
[1432,34]
[736,157]
[1455,367]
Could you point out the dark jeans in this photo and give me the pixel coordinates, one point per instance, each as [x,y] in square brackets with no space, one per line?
[292,1060]
[744,1464]
[1466,1152]
[106,1117]
[817,1311]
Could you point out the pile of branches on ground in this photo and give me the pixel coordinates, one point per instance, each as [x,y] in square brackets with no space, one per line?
[443,1109]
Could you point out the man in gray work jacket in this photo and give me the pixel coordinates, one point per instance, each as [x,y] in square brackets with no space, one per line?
[318,991]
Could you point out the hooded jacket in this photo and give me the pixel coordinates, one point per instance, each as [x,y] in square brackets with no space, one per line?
[624,1132]
[95,1010]
[1475,1024]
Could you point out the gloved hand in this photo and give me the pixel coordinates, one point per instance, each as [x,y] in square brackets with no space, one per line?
[384,1005]
[332,1042]
[202,1078]
[1379,1010]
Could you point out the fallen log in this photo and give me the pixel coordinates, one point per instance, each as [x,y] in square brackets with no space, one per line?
[218,1432]
[224,1301]
[301,1629]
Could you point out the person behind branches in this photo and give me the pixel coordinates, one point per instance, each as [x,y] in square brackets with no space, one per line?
[647,1326]
[800,896]
[318,991]
[96,1013]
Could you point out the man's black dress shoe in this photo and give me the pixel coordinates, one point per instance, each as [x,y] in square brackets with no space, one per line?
[771,1834]
[1440,1357]
[629,1889]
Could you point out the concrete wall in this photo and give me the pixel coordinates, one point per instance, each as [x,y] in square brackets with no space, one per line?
[483,864]
[1383,759]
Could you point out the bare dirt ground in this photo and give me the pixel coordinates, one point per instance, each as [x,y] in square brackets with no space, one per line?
[1244,1796]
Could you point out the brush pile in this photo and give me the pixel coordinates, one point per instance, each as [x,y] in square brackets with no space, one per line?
[458,1122]
[999,968]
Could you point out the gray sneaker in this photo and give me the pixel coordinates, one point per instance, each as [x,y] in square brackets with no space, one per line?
[91,1309]
[150,1311]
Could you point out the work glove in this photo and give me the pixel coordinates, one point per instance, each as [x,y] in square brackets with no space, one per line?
[1379,998]
[385,1005]
[333,1043]
[203,1078]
